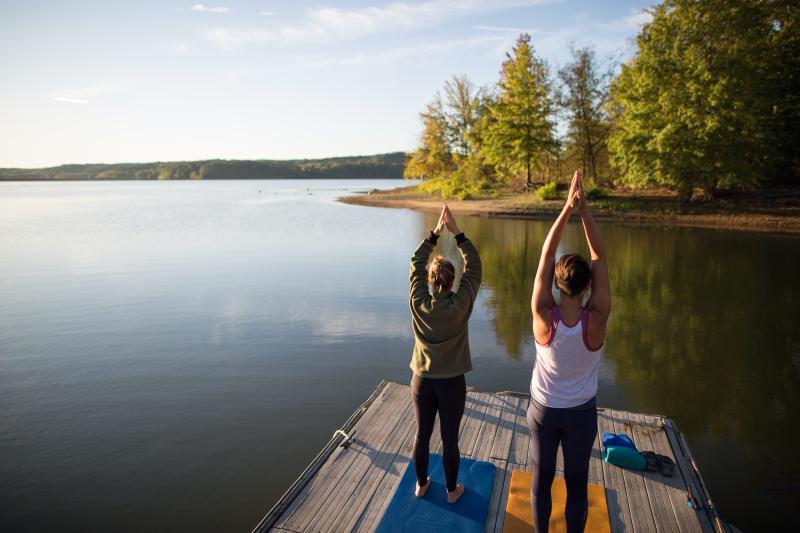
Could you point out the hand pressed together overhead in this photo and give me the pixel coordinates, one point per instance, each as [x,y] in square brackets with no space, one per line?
[446,220]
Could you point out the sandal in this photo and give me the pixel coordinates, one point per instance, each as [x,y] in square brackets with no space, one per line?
[666,466]
[651,461]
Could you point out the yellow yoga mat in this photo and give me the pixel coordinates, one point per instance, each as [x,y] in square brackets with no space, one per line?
[518,509]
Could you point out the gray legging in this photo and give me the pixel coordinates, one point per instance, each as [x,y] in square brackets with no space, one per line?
[576,429]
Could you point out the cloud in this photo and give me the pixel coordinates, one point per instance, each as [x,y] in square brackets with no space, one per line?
[634,21]
[326,24]
[608,37]
[206,9]
[505,29]
[415,51]
[266,13]
[69,100]
[82,95]
[637,19]
[225,38]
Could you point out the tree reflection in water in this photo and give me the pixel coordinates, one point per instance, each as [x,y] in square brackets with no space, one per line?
[704,328]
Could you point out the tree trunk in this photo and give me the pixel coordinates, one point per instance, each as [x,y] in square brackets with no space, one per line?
[590,154]
[592,163]
[583,162]
[685,193]
[527,170]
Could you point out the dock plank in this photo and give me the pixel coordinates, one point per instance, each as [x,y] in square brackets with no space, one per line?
[350,488]
[596,461]
[676,487]
[619,512]
[498,414]
[469,432]
[641,513]
[506,427]
[331,495]
[386,488]
[520,440]
[365,473]
[497,493]
[362,428]
[685,470]
[372,430]
[663,515]
[366,489]
[499,519]
[487,430]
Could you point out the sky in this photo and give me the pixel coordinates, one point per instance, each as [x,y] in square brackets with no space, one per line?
[116,81]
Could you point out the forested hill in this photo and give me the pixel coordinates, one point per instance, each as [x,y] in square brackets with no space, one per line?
[372,166]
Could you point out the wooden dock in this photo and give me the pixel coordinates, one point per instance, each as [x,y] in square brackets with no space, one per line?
[350,483]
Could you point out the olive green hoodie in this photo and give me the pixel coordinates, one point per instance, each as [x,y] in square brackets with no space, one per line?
[441,347]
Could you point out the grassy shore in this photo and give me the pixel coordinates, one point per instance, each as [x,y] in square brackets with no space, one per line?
[774,211]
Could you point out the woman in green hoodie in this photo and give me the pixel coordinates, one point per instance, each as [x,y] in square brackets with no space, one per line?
[441,349]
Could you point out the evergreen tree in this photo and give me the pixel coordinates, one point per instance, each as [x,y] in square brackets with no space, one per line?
[522,132]
[583,96]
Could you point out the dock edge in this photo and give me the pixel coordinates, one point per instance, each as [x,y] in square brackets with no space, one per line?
[277,510]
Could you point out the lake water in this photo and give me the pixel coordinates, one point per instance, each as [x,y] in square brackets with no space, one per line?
[173,354]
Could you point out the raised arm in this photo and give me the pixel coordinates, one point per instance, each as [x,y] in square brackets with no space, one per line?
[471,279]
[419,262]
[542,300]
[599,303]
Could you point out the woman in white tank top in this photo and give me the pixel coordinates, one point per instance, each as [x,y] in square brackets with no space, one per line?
[569,344]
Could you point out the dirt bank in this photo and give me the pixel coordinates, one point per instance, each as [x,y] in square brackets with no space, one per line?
[774,212]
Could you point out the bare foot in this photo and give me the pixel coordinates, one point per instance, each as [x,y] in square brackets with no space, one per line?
[452,497]
[422,489]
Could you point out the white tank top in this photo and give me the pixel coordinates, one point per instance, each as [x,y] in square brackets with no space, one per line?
[565,373]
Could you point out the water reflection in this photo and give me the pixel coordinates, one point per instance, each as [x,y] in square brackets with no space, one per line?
[704,329]
[162,343]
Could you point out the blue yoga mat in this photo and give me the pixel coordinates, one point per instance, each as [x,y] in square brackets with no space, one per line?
[406,512]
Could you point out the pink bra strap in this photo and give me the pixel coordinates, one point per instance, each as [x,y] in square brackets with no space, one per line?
[554,318]
[585,328]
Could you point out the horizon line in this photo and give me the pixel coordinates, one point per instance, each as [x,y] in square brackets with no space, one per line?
[153,162]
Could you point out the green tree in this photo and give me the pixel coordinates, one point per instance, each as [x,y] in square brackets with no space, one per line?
[475,172]
[433,159]
[784,72]
[695,105]
[484,120]
[522,132]
[462,101]
[583,97]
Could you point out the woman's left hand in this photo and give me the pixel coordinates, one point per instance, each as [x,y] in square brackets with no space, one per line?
[442,221]
[575,195]
[450,220]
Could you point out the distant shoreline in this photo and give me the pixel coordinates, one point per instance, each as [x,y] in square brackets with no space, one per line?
[254,178]
[388,166]
[756,213]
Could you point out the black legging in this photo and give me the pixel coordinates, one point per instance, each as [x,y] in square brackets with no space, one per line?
[576,429]
[447,396]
